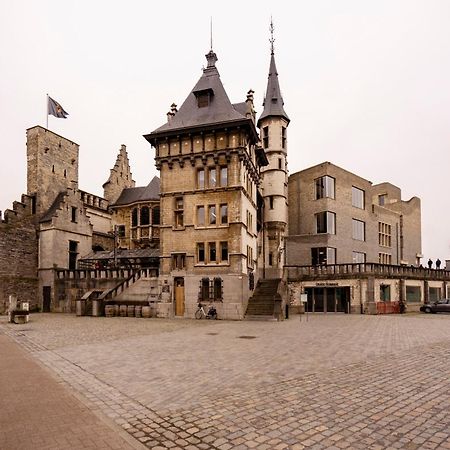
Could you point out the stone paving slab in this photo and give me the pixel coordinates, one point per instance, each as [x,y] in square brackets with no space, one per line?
[37,412]
[336,381]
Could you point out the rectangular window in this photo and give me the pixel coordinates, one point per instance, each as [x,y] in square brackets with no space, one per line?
[323,255]
[224,251]
[73,253]
[201,252]
[385,292]
[120,231]
[212,215]
[270,259]
[212,182]
[384,258]
[325,187]
[179,213]
[280,163]
[271,201]
[283,137]
[384,234]
[200,216]
[74,214]
[249,256]
[224,176]
[434,294]
[223,214]
[413,294]
[266,137]
[382,199]
[358,230]
[178,261]
[358,200]
[326,222]
[212,252]
[201,179]
[358,257]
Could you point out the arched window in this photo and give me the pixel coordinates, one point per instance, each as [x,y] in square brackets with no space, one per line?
[145,215]
[155,215]
[134,217]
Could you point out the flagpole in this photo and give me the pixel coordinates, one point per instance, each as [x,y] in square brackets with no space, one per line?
[46,107]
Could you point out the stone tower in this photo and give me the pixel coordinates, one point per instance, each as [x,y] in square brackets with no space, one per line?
[208,160]
[120,177]
[52,167]
[273,124]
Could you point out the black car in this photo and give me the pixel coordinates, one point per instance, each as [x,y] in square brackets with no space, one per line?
[439,306]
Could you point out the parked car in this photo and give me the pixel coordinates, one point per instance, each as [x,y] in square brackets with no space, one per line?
[439,306]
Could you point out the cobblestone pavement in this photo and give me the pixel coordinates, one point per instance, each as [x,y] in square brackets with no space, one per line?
[334,382]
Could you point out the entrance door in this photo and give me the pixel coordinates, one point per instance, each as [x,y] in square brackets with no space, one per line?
[46,298]
[179,296]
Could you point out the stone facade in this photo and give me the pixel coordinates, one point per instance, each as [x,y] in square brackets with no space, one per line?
[357,227]
[19,254]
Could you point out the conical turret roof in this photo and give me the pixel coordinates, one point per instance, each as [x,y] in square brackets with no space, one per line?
[273,101]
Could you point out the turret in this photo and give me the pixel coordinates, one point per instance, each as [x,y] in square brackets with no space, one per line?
[273,124]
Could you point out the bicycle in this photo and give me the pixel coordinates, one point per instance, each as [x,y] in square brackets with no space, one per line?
[210,314]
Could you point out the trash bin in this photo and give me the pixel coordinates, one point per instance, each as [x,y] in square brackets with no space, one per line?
[97,308]
[81,307]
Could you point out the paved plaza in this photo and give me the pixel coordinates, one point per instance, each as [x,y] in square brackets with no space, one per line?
[332,382]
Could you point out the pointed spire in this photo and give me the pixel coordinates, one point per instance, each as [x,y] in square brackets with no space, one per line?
[273,101]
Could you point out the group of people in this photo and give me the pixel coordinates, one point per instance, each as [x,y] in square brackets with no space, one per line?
[438,263]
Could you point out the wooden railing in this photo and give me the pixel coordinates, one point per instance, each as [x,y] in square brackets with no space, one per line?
[295,272]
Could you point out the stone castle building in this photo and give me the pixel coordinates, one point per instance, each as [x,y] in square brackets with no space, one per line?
[223,223]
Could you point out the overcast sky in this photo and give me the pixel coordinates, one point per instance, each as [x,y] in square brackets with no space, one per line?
[366,84]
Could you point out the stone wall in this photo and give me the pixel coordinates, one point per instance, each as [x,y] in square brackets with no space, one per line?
[19,255]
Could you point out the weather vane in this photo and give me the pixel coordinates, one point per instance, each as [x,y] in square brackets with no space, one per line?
[272,39]
[211,32]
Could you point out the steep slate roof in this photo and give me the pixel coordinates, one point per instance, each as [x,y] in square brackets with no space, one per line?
[219,110]
[139,194]
[47,217]
[273,101]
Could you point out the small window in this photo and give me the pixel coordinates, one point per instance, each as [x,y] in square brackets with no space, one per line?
[280,163]
[323,255]
[134,217]
[212,252]
[217,288]
[212,215]
[382,199]
[271,201]
[155,215]
[223,214]
[145,215]
[326,222]
[358,230]
[212,182]
[201,216]
[201,179]
[120,231]
[325,187]
[270,259]
[224,251]
[74,214]
[358,200]
[203,99]
[384,234]
[283,137]
[201,252]
[266,137]
[224,176]
[384,258]
[358,257]
[178,261]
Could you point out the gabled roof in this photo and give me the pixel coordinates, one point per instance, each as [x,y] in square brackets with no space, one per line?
[219,110]
[139,194]
[273,101]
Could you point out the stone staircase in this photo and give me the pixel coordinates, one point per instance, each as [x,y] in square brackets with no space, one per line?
[142,291]
[261,306]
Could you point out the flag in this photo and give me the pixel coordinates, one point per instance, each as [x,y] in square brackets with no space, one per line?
[55,109]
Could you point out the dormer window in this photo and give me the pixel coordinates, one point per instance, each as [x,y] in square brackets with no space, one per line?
[204,97]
